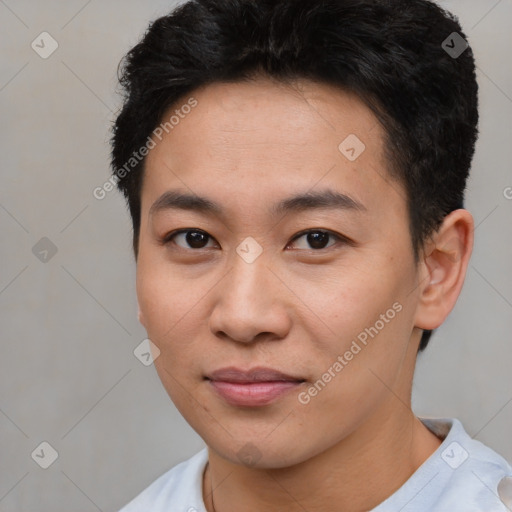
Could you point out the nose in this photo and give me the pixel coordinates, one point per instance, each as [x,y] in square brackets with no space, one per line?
[251,304]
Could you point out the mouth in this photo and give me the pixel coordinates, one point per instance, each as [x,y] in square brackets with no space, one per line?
[252,388]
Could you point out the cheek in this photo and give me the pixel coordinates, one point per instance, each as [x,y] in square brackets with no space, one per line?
[366,319]
[163,298]
[157,298]
[348,303]
[170,310]
[356,369]
[175,311]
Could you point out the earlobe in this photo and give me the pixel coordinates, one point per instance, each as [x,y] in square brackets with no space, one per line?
[444,269]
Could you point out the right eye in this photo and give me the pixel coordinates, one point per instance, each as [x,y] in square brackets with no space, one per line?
[195,238]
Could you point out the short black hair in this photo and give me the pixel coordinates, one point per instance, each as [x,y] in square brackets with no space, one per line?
[401,57]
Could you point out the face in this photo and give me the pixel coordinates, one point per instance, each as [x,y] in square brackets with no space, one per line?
[278,320]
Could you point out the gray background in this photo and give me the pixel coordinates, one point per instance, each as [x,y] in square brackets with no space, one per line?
[68,374]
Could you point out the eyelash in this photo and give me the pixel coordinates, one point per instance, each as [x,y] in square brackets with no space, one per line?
[168,239]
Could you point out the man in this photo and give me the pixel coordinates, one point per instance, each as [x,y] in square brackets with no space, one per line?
[295,173]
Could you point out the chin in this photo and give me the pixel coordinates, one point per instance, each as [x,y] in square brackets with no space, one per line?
[262,452]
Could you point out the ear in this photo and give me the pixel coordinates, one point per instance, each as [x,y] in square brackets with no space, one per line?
[140,315]
[443,267]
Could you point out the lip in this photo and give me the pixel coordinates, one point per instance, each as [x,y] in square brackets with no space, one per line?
[251,388]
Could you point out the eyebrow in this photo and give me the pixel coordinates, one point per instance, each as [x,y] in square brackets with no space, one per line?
[324,199]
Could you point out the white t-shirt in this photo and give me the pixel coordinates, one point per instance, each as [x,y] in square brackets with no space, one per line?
[462,475]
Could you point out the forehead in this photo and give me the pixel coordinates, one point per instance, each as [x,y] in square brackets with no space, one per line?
[248,140]
[262,111]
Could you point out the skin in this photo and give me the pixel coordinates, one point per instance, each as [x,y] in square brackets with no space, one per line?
[296,308]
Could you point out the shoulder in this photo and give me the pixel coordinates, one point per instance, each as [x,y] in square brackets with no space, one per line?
[180,487]
[476,476]
[462,474]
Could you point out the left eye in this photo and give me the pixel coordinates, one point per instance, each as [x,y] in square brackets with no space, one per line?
[317,239]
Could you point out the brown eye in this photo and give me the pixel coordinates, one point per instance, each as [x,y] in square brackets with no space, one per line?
[189,238]
[317,239]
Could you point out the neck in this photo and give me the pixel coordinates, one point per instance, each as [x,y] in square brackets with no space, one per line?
[358,473]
